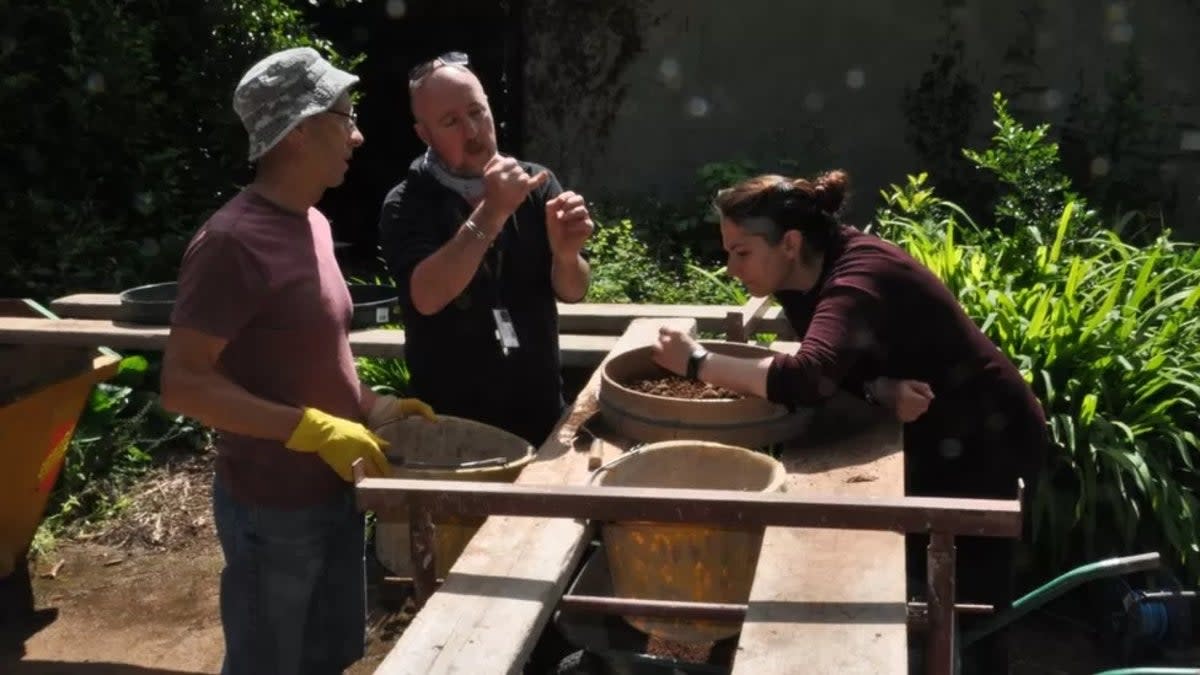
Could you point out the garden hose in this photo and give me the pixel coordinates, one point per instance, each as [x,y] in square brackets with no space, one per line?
[1059,586]
[1151,670]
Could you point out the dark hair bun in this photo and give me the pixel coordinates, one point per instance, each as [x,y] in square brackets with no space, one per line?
[829,190]
[810,206]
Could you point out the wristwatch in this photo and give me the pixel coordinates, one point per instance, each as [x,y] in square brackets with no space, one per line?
[869,395]
[694,360]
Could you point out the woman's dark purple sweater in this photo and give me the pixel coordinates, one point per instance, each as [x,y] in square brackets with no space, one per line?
[877,312]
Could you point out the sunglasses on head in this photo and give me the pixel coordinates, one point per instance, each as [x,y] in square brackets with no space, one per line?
[419,71]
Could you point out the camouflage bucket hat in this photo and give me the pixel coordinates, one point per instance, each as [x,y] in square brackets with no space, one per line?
[280,91]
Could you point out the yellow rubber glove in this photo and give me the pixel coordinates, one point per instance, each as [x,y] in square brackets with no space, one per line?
[388,408]
[339,442]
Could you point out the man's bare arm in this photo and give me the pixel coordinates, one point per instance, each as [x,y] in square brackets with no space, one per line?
[441,277]
[193,385]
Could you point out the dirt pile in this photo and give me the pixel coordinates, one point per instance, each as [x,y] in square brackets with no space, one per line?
[681,387]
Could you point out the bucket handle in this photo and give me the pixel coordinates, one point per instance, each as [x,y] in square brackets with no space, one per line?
[635,450]
[475,464]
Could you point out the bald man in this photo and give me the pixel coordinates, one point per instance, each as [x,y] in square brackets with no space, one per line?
[481,245]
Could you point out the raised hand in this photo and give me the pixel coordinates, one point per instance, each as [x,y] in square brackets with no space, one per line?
[568,224]
[505,186]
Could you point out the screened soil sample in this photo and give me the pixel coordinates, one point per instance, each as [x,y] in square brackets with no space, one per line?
[680,387]
[690,652]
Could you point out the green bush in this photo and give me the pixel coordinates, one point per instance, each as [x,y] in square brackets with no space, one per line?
[1106,333]
[117,123]
[120,429]
[383,376]
[625,270]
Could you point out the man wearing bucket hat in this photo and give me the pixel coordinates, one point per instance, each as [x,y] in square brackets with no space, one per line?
[481,246]
[258,350]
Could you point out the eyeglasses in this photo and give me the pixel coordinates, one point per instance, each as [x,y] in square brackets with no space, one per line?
[352,116]
[419,71]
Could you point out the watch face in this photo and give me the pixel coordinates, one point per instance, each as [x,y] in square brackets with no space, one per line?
[693,364]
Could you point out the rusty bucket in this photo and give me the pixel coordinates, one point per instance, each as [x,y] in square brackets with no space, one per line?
[683,562]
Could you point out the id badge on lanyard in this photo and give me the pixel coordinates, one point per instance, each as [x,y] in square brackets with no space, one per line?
[506,332]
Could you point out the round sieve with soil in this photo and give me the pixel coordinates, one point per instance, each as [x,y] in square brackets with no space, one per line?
[643,402]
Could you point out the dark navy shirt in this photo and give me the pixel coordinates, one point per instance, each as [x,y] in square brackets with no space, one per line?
[454,358]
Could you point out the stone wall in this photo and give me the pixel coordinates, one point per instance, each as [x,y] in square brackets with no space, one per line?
[632,97]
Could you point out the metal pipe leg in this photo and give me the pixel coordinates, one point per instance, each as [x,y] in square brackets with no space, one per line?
[420,540]
[940,651]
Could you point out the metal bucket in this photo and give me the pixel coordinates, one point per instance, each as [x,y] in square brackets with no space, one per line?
[690,563]
[150,304]
[452,448]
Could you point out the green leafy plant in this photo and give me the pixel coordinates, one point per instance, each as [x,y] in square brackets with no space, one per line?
[716,287]
[119,432]
[384,376]
[1026,163]
[624,269]
[1106,333]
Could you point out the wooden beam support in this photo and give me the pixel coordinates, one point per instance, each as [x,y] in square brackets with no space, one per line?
[589,318]
[975,517]
[741,324]
[575,350]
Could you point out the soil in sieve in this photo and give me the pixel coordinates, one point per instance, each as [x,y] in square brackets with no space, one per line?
[680,387]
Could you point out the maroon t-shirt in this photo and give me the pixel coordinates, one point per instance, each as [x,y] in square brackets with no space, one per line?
[877,312]
[266,280]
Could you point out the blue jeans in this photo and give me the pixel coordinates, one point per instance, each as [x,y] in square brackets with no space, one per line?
[293,590]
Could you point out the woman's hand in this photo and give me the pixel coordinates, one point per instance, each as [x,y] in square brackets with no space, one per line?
[672,350]
[909,399]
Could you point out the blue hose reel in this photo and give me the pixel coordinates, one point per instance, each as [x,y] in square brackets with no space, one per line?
[1142,624]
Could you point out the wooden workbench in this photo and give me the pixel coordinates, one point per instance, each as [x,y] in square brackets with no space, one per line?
[499,595]
[488,614]
[852,581]
[503,589]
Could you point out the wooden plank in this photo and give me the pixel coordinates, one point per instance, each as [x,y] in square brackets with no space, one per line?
[785,346]
[88,306]
[741,324]
[498,596]
[81,333]
[589,318]
[605,318]
[575,350]
[855,580]
[392,497]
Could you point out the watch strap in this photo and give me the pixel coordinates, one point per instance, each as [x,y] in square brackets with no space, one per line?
[694,360]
